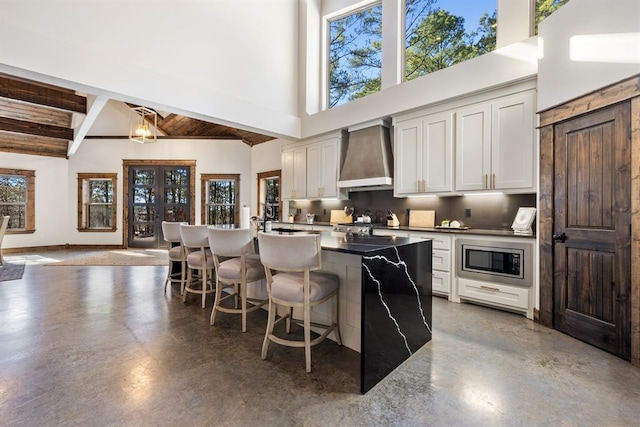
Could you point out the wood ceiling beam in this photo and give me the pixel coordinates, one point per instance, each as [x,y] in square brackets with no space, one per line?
[20,126]
[42,95]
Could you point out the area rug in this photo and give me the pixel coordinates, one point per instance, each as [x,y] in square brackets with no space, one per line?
[118,257]
[11,271]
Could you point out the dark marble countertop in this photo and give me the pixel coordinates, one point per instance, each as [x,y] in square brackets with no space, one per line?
[472,231]
[359,245]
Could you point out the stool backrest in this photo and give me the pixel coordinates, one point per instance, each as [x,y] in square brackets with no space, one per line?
[194,236]
[290,252]
[230,242]
[4,222]
[171,231]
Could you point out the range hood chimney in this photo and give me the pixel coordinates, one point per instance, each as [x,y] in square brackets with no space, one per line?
[368,162]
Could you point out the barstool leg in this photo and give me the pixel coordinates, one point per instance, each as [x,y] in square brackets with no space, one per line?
[307,336]
[270,321]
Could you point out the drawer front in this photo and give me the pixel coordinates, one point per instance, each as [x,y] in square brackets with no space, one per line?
[441,260]
[438,240]
[441,282]
[511,296]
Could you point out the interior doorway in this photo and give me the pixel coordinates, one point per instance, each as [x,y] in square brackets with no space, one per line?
[269,201]
[156,191]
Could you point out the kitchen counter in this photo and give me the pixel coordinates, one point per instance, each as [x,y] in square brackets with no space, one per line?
[478,231]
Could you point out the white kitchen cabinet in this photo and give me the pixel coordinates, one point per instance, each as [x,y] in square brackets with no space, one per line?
[310,170]
[423,155]
[511,297]
[322,169]
[495,147]
[294,173]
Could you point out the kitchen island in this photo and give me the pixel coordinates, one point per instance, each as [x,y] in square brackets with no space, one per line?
[385,298]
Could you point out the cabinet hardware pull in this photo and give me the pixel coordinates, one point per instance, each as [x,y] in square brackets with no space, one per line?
[424,185]
[489,288]
[493,184]
[486,181]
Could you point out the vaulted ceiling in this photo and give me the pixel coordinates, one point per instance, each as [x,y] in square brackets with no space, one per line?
[36,118]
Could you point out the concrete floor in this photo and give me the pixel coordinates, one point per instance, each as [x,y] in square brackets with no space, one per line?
[104,346]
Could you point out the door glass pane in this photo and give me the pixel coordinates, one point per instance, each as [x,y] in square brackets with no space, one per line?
[144,177]
[142,231]
[143,213]
[176,177]
[176,214]
[143,195]
[175,195]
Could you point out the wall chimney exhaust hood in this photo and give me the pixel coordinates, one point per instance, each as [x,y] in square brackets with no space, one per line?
[368,161]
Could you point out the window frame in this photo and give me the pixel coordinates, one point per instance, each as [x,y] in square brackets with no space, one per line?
[30,208]
[83,205]
[205,179]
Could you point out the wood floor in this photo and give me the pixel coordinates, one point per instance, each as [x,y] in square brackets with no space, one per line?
[105,346]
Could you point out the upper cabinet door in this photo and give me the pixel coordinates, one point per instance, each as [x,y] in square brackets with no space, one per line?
[473,148]
[322,169]
[294,173]
[437,142]
[513,148]
[408,154]
[423,155]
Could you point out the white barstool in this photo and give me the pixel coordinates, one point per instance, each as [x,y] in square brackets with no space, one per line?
[195,240]
[291,263]
[171,235]
[236,266]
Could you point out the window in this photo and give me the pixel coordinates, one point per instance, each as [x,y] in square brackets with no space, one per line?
[221,199]
[17,199]
[97,207]
[355,55]
[545,8]
[441,33]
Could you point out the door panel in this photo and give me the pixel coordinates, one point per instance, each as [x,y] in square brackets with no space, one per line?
[592,223]
[157,193]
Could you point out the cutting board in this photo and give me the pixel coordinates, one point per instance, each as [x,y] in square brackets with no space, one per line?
[421,218]
[339,217]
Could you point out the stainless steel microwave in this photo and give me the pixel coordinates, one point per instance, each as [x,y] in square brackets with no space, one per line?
[509,263]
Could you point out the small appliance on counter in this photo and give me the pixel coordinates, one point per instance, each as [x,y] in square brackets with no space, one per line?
[392,220]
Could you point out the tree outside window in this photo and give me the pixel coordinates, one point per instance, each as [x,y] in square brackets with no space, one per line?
[97,207]
[355,55]
[221,196]
[17,191]
[439,33]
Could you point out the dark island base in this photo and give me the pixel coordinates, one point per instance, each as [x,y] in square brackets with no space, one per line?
[396,308]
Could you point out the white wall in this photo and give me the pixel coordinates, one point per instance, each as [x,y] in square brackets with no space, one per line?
[56,182]
[233,61]
[51,200]
[562,78]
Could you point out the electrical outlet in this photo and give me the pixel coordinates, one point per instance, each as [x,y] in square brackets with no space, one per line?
[467,212]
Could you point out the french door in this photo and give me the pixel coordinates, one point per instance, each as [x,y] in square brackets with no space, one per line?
[156,193]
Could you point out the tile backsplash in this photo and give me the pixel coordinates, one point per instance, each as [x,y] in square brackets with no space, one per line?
[486,211]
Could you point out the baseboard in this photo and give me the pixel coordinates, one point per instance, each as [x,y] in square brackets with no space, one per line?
[31,249]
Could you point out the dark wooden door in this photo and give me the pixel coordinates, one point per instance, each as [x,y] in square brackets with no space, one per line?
[156,193]
[592,228]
